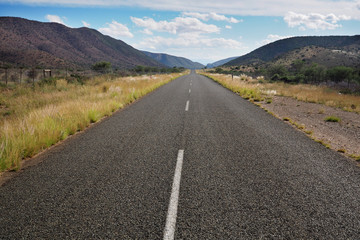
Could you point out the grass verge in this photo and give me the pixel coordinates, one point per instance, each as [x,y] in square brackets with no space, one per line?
[241,87]
[36,118]
[259,89]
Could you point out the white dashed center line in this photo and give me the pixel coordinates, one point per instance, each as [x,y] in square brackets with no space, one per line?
[187,105]
[169,232]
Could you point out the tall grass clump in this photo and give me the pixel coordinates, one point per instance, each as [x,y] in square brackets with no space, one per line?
[35,118]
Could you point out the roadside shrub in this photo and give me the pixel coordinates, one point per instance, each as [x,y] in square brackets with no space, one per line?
[102,67]
[332,119]
[48,81]
[77,79]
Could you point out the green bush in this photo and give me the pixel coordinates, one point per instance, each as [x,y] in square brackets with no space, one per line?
[103,67]
[48,81]
[332,119]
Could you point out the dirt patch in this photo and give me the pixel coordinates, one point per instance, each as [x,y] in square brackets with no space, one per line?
[310,117]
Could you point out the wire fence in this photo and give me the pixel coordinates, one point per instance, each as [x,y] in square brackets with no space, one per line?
[13,76]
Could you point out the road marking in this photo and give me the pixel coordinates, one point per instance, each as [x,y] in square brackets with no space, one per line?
[169,232]
[189,90]
[187,105]
[190,83]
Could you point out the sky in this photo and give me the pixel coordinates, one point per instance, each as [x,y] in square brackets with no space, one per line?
[203,30]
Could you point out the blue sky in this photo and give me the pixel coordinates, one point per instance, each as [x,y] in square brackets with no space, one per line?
[203,31]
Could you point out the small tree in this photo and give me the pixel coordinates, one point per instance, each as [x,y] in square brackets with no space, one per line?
[102,67]
[218,70]
[139,69]
[340,73]
[279,70]
[147,69]
[154,69]
[314,73]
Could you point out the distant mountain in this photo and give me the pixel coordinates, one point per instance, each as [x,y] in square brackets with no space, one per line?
[31,43]
[220,62]
[173,61]
[281,48]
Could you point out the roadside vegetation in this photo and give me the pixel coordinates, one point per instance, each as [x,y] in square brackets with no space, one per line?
[242,85]
[298,72]
[35,116]
[14,74]
[332,119]
[260,89]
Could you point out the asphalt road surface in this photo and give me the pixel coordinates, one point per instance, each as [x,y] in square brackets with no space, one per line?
[191,160]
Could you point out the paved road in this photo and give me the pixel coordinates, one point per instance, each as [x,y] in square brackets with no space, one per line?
[244,175]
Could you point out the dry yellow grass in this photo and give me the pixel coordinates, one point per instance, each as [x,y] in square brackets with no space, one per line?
[316,94]
[257,89]
[243,85]
[34,119]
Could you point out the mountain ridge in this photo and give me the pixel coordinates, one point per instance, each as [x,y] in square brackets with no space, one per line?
[278,48]
[32,43]
[220,62]
[174,61]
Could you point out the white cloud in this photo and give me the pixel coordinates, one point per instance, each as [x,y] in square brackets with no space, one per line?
[212,15]
[271,38]
[116,30]
[229,7]
[200,49]
[86,24]
[314,20]
[161,43]
[179,25]
[202,16]
[54,18]
[147,32]
[228,27]
[234,20]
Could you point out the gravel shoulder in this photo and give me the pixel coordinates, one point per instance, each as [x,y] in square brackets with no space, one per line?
[339,136]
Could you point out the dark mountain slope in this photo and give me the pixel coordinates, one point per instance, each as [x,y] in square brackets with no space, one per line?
[173,61]
[273,50]
[220,62]
[32,43]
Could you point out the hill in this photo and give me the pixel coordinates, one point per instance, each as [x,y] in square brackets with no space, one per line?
[52,45]
[348,47]
[220,62]
[173,61]
[346,56]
